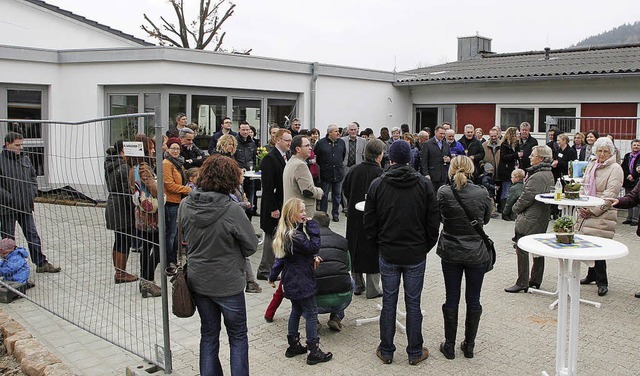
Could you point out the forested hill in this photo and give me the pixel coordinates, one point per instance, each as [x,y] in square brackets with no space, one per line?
[627,33]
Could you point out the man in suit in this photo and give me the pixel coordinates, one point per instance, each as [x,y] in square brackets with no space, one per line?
[355,153]
[435,156]
[272,167]
[297,179]
[473,149]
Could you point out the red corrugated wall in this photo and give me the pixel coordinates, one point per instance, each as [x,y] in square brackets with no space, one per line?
[621,129]
[480,115]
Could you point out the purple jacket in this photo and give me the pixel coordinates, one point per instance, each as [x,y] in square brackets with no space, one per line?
[298,277]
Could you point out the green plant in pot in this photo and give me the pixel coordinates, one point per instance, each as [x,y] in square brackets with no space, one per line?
[572,190]
[563,228]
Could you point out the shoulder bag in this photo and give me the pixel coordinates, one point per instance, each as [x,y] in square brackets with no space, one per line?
[478,227]
[182,302]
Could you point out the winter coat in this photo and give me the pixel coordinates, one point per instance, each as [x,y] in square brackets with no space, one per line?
[608,181]
[431,161]
[119,211]
[15,267]
[144,221]
[493,158]
[220,237]
[18,184]
[272,167]
[628,184]
[630,200]
[246,153]
[174,189]
[330,157]
[364,253]
[298,183]
[473,148]
[486,180]
[195,155]
[459,242]
[298,276]
[333,276]
[527,148]
[456,148]
[514,192]
[508,161]
[401,215]
[563,157]
[533,215]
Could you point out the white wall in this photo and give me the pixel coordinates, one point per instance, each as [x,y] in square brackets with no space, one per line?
[373,104]
[29,25]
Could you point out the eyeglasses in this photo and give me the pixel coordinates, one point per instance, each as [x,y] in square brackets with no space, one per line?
[176,148]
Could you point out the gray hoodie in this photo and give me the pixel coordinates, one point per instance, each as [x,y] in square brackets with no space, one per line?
[219,236]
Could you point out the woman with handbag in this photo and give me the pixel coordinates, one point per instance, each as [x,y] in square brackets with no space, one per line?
[144,187]
[463,251]
[220,237]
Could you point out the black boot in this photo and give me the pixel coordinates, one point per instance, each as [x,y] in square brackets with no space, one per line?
[448,347]
[315,354]
[295,348]
[470,331]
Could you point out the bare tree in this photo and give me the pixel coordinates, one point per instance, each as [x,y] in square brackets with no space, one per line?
[202,31]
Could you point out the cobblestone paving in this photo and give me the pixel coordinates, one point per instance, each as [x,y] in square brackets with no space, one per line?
[517,333]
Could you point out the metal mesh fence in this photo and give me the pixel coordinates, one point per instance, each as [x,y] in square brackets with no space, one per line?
[64,173]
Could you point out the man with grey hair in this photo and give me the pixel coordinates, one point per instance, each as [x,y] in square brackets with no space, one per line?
[330,154]
[296,124]
[355,151]
[364,253]
[527,142]
[193,156]
[472,149]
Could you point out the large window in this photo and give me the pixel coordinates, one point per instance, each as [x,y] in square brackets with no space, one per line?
[248,110]
[433,116]
[536,115]
[278,110]
[208,111]
[177,105]
[126,128]
[27,105]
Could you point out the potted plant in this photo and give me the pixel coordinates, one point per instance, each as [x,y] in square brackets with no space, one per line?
[572,190]
[260,154]
[563,228]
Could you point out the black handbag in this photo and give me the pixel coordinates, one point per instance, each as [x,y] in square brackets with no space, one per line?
[182,304]
[478,227]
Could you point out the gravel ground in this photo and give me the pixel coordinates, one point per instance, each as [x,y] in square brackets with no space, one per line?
[8,364]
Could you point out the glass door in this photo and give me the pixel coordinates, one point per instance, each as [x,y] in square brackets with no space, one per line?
[248,110]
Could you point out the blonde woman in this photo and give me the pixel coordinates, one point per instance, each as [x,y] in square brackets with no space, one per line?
[227,145]
[296,244]
[462,251]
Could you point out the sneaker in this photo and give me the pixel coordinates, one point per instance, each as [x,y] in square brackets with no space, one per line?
[48,268]
[253,287]
[334,323]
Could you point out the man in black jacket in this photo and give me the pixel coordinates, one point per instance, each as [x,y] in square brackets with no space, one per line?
[272,167]
[527,142]
[245,156]
[193,156]
[434,158]
[18,189]
[473,149]
[401,217]
[330,152]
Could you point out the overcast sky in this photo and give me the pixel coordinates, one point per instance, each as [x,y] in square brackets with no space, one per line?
[381,34]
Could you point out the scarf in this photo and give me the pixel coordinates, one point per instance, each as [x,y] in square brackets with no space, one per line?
[590,180]
[178,162]
[632,161]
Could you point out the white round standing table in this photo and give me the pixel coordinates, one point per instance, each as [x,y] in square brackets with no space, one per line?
[587,248]
[568,207]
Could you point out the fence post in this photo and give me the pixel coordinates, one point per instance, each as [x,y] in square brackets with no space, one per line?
[163,249]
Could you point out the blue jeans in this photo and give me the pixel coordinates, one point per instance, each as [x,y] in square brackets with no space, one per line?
[234,312]
[504,192]
[171,238]
[336,196]
[307,308]
[29,230]
[474,275]
[413,280]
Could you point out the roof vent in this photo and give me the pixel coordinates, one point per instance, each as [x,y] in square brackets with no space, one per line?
[546,53]
[473,47]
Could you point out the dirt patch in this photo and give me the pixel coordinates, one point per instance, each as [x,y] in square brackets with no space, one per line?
[9,366]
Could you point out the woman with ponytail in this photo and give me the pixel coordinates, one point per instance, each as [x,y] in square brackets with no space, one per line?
[462,251]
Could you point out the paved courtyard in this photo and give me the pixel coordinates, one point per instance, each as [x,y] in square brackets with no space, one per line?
[517,333]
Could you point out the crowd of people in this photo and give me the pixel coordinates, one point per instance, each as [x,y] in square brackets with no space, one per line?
[422,180]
